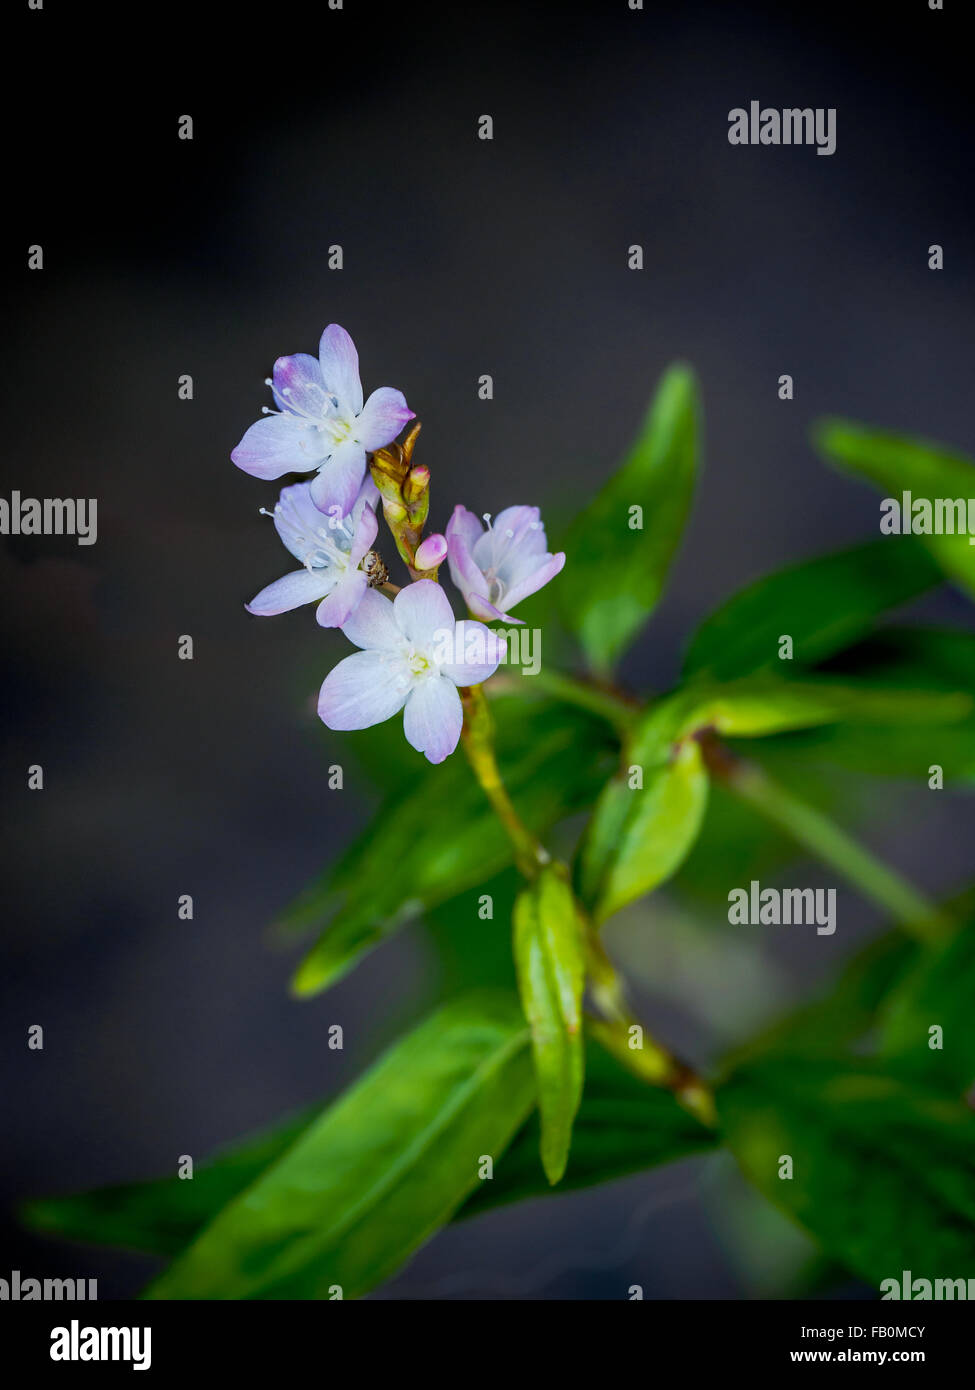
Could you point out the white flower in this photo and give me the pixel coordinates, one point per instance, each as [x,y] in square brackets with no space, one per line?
[498,567]
[322,423]
[330,548]
[414,657]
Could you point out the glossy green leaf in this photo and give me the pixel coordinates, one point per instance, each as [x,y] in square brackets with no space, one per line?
[378,1173]
[640,835]
[550,960]
[929,473]
[617,569]
[938,994]
[922,658]
[823,604]
[883,1172]
[757,706]
[622,1126]
[442,838]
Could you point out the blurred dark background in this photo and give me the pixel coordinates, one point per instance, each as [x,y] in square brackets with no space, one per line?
[462,257]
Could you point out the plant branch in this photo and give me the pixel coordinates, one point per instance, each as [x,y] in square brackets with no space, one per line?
[615,709]
[477,737]
[651,1062]
[827,842]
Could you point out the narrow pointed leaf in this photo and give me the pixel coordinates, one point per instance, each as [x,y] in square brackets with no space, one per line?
[640,834]
[823,605]
[378,1173]
[620,559]
[550,961]
[926,473]
[622,1126]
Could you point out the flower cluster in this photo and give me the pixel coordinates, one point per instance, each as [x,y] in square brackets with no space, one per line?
[414,655]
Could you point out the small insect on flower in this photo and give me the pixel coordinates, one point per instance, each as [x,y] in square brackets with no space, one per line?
[497,566]
[322,423]
[333,551]
[374,567]
[415,655]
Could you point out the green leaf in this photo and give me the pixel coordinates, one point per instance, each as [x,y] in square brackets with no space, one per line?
[919,658]
[550,960]
[898,465]
[441,838]
[896,750]
[824,605]
[926,659]
[939,991]
[757,706]
[639,836]
[378,1173]
[883,1172]
[163,1215]
[623,1126]
[615,574]
[472,951]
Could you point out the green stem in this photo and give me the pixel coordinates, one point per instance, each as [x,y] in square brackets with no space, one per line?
[615,709]
[477,737]
[651,1062]
[827,842]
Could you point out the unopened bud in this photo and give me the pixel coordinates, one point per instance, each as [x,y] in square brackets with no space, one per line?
[394,511]
[391,462]
[431,553]
[389,487]
[416,484]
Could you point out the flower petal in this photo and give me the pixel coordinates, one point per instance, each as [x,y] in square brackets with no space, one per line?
[369,493]
[382,417]
[363,690]
[478,652]
[373,625]
[279,444]
[433,717]
[338,606]
[291,592]
[422,611]
[340,367]
[338,482]
[366,526]
[297,520]
[547,570]
[468,577]
[298,386]
[525,526]
[467,527]
[480,608]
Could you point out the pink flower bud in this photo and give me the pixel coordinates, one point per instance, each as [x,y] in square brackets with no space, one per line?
[431,552]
